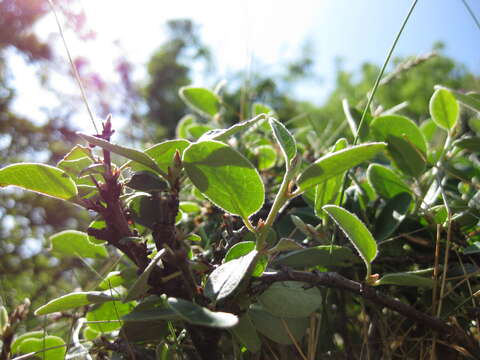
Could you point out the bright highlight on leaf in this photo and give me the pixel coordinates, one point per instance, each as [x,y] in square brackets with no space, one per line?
[285,140]
[225,177]
[201,100]
[336,163]
[444,109]
[72,301]
[406,144]
[76,243]
[39,178]
[356,231]
[225,279]
[198,315]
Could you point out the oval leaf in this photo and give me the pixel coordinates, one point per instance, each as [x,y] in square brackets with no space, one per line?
[201,100]
[225,279]
[444,109]
[406,144]
[356,231]
[291,299]
[39,178]
[385,182]
[405,279]
[284,139]
[72,301]
[336,163]
[275,328]
[106,317]
[245,332]
[197,315]
[243,248]
[55,345]
[225,177]
[76,243]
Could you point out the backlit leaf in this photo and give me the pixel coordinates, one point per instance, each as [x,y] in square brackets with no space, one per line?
[356,231]
[76,243]
[336,163]
[284,139]
[201,100]
[444,109]
[72,301]
[30,345]
[385,181]
[40,178]
[225,177]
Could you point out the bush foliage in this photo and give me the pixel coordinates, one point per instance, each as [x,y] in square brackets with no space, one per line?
[255,241]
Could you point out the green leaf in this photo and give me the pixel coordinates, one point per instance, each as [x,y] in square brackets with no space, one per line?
[202,100]
[405,279]
[245,332]
[243,248]
[72,301]
[144,209]
[356,231]
[444,109]
[468,143]
[196,131]
[163,153]
[140,286]
[76,243]
[112,280]
[285,244]
[225,177]
[336,163]
[225,279]
[106,317]
[182,126]
[392,215]
[28,335]
[39,178]
[266,157]
[155,314]
[470,100]
[147,181]
[328,192]
[30,345]
[197,315]
[322,255]
[275,328]
[190,207]
[129,153]
[472,249]
[145,332]
[291,299]
[224,134]
[98,225]
[385,182]
[259,108]
[406,144]
[287,142]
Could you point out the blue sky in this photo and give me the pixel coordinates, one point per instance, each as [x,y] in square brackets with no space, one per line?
[271,32]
